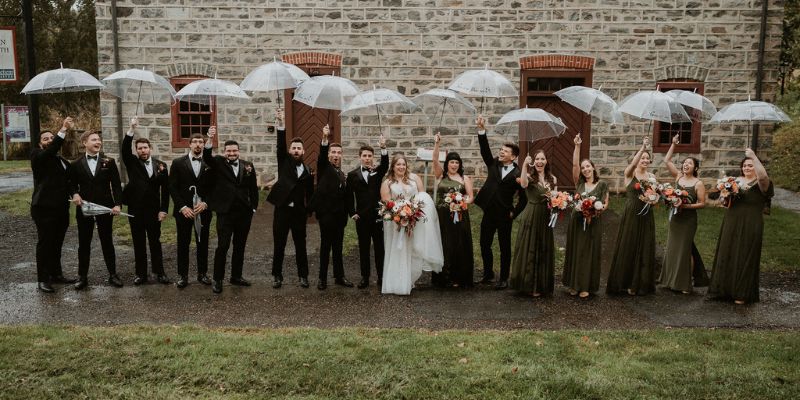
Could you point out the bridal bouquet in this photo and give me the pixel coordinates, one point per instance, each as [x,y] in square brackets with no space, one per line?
[557,202]
[650,193]
[730,188]
[457,204]
[588,206]
[674,198]
[405,213]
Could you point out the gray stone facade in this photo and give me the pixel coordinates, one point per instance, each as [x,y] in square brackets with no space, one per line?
[416,45]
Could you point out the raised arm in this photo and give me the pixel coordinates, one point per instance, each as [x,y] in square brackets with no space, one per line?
[483,141]
[437,167]
[55,146]
[668,157]
[523,177]
[761,172]
[125,147]
[322,158]
[207,148]
[280,129]
[632,166]
[384,165]
[576,159]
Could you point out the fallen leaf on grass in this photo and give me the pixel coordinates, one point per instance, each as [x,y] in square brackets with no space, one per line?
[539,343]
[463,361]
[462,344]
[514,370]
[307,365]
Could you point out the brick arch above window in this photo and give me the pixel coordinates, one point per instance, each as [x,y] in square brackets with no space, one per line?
[313,57]
[556,61]
[681,72]
[191,69]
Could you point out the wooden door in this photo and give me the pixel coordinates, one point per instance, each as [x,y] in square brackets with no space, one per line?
[306,123]
[537,92]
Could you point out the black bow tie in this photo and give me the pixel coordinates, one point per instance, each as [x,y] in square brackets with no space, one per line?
[234,163]
[91,158]
[197,158]
[507,166]
[364,169]
[146,162]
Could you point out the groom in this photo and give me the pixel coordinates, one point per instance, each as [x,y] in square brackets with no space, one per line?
[496,199]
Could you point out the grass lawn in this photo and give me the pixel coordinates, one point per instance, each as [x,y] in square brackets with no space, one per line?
[191,362]
[15,166]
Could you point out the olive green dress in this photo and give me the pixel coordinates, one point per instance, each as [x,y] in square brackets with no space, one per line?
[533,262]
[584,246]
[676,274]
[738,257]
[634,262]
[456,237]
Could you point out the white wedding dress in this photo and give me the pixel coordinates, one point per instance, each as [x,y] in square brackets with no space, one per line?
[406,257]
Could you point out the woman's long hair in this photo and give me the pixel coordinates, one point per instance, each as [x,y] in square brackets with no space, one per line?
[390,176]
[453,156]
[548,176]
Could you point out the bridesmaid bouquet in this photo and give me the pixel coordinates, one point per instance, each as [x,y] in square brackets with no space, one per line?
[588,206]
[730,188]
[457,204]
[650,193]
[557,202]
[674,198]
[405,213]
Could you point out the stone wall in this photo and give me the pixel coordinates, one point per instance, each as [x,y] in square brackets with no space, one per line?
[416,45]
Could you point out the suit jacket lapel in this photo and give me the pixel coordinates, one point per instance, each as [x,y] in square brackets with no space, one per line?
[85,164]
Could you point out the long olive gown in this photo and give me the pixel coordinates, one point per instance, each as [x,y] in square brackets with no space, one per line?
[633,265]
[584,246]
[738,257]
[533,262]
[676,274]
[456,237]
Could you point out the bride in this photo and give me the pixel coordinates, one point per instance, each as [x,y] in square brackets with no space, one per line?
[406,256]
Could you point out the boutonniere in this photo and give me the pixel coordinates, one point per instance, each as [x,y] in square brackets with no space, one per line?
[161,167]
[104,162]
[248,169]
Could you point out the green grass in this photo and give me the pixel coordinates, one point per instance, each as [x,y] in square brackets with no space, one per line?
[191,362]
[15,166]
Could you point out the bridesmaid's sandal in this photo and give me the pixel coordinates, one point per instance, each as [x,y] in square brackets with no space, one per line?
[536,294]
[686,292]
[631,292]
[739,302]
[572,292]
[584,295]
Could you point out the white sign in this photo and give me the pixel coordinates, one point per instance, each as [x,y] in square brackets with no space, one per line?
[427,154]
[8,55]
[16,124]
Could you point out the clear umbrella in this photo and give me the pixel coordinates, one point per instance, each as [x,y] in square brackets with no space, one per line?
[750,112]
[592,101]
[274,76]
[704,107]
[208,91]
[326,91]
[654,105]
[379,101]
[483,83]
[120,83]
[534,124]
[436,101]
[61,80]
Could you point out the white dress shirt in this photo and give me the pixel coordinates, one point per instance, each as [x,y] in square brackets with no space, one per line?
[92,162]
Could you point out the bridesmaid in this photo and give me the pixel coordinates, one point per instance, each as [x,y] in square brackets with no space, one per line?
[677,271]
[633,265]
[738,257]
[584,246]
[456,235]
[533,263]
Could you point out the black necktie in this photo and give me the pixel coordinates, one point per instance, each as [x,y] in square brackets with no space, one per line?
[91,158]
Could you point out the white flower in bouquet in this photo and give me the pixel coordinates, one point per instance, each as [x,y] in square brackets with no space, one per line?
[459,197]
[598,205]
[447,199]
[579,206]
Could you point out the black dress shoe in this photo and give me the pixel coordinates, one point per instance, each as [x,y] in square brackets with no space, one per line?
[63,280]
[484,281]
[81,284]
[216,287]
[163,279]
[322,285]
[277,281]
[343,282]
[204,279]
[501,285]
[182,283]
[239,282]
[114,280]
[139,280]
[304,283]
[45,287]
[364,283]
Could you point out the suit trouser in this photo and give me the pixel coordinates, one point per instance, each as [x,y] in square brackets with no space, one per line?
[185,227]
[288,219]
[370,231]
[331,240]
[233,227]
[496,221]
[51,227]
[85,232]
[146,230]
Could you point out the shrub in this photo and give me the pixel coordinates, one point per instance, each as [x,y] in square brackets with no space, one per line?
[785,160]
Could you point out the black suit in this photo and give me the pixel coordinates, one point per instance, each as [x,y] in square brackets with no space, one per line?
[496,199]
[102,187]
[290,196]
[369,229]
[181,179]
[234,199]
[49,207]
[331,204]
[145,196]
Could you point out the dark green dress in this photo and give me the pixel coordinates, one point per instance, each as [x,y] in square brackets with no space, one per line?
[738,257]
[634,262]
[456,237]
[676,274]
[533,263]
[584,247]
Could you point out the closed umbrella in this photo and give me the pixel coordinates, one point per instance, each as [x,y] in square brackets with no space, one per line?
[437,101]
[379,101]
[61,80]
[90,209]
[120,83]
[198,225]
[534,123]
[483,83]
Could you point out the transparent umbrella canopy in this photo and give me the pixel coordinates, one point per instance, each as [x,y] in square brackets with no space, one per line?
[704,107]
[483,83]
[436,101]
[379,101]
[209,91]
[326,91]
[274,76]
[750,112]
[593,102]
[61,80]
[534,124]
[122,83]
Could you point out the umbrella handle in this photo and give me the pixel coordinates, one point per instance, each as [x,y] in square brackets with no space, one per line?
[138,96]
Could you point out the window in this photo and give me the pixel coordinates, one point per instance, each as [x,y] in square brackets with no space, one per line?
[689,131]
[190,118]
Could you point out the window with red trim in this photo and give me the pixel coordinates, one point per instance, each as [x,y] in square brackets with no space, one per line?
[689,131]
[190,118]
